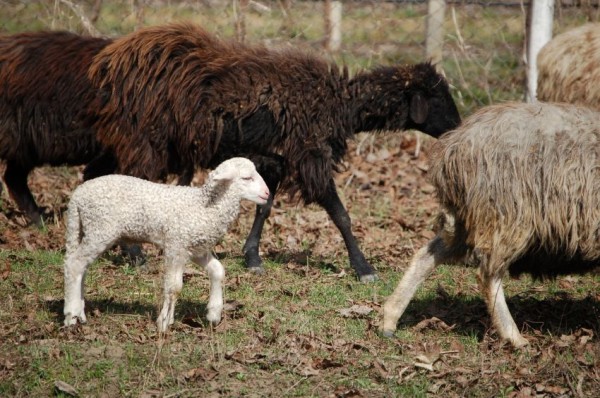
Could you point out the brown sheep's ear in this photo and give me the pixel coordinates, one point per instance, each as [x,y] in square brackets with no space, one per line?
[419,108]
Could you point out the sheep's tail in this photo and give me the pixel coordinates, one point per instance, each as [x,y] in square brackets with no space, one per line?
[74,233]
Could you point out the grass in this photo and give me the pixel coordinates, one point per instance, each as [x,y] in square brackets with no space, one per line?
[284,323]
[482,54]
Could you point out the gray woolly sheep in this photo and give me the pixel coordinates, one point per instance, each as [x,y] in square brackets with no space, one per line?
[175,98]
[186,222]
[569,67]
[519,188]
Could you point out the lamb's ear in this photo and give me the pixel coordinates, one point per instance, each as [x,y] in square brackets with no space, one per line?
[419,108]
[224,173]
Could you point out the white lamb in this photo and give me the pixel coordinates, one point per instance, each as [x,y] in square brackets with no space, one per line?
[186,222]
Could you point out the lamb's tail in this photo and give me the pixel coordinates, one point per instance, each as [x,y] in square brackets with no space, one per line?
[74,232]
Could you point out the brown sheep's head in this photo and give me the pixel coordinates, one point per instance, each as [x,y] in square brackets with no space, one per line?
[406,97]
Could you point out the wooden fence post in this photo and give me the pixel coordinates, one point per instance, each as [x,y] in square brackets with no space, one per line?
[239,15]
[333,25]
[434,42]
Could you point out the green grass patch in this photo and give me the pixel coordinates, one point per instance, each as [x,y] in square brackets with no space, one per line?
[284,322]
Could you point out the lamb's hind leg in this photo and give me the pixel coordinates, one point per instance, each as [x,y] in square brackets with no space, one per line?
[76,262]
[422,264]
[175,261]
[490,282]
[216,274]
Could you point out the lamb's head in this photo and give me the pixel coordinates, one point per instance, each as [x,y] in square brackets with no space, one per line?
[406,97]
[242,176]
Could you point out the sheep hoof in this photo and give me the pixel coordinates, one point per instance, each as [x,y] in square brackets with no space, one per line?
[369,278]
[257,270]
[520,342]
[387,333]
[134,254]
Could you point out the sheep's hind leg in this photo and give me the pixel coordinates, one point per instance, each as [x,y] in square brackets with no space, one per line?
[173,283]
[493,293]
[216,274]
[338,214]
[76,263]
[422,264]
[15,178]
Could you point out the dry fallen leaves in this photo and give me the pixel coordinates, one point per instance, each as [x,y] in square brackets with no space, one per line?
[204,374]
[6,272]
[433,323]
[355,310]
[65,388]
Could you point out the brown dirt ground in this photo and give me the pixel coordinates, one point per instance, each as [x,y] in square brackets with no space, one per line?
[385,188]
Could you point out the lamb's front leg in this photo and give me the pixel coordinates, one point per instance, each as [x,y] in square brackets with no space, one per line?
[175,261]
[216,274]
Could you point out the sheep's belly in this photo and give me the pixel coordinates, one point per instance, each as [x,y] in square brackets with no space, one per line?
[544,265]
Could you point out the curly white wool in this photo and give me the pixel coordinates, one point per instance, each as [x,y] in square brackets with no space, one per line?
[186,222]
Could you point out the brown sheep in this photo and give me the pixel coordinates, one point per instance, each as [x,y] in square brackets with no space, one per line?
[569,67]
[518,186]
[44,95]
[174,98]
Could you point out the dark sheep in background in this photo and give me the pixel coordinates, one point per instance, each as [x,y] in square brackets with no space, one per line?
[44,95]
[518,186]
[569,67]
[174,98]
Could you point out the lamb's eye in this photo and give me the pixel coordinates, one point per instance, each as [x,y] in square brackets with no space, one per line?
[247,178]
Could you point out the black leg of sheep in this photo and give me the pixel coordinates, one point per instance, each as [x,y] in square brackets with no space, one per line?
[333,205]
[15,178]
[253,260]
[103,164]
[271,169]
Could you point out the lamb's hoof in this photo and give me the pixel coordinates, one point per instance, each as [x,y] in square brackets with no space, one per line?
[369,278]
[74,320]
[387,333]
[257,270]
[214,317]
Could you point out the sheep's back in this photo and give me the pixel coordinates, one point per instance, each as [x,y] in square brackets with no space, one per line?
[175,96]
[569,67]
[526,176]
[135,209]
[44,97]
